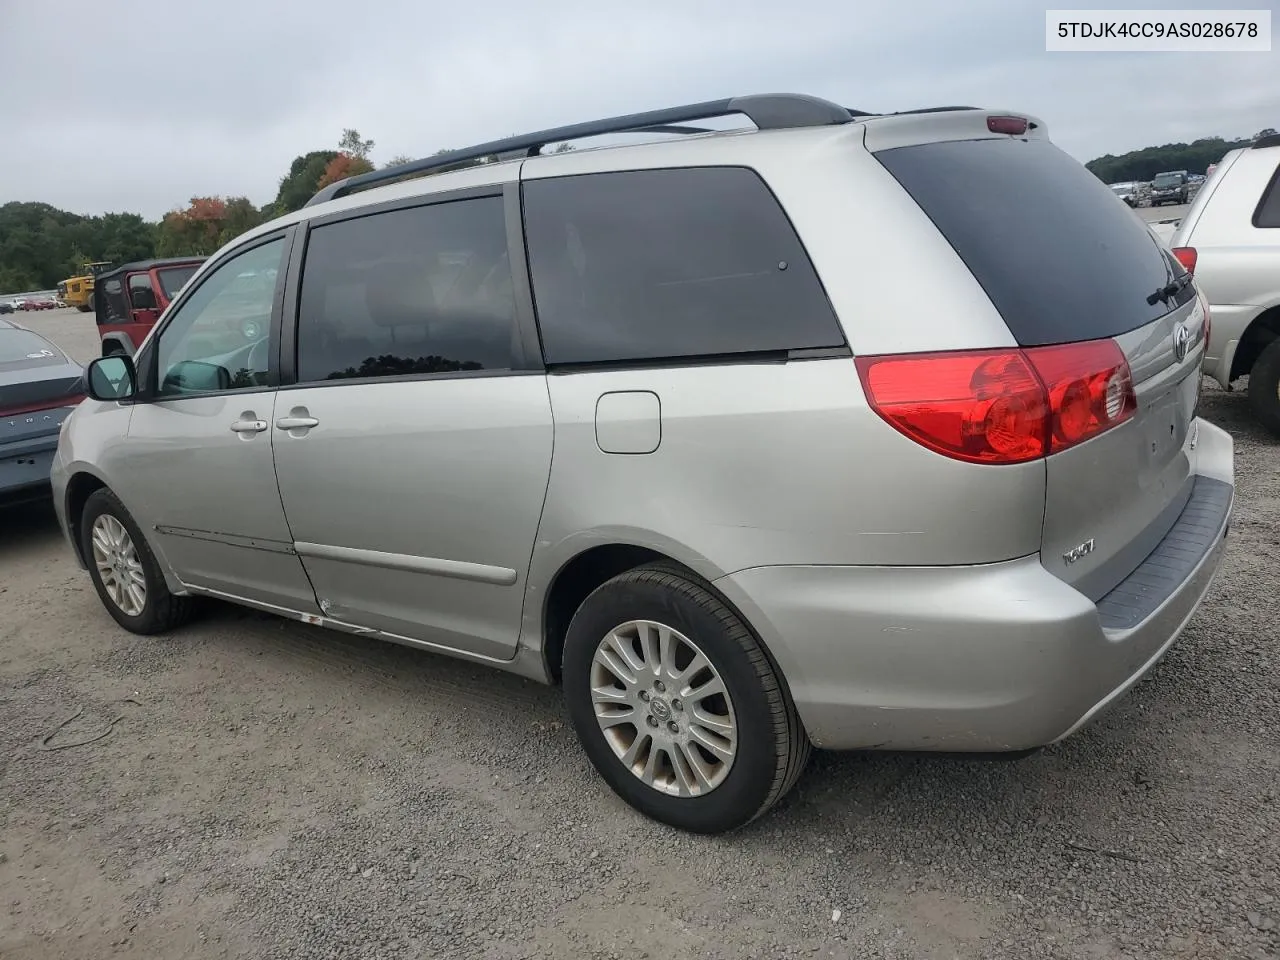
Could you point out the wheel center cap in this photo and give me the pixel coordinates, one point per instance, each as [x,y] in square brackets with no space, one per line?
[660,708]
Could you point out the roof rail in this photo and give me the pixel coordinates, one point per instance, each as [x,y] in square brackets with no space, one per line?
[773,111]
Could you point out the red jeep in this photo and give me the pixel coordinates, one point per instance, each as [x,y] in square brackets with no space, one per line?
[129,300]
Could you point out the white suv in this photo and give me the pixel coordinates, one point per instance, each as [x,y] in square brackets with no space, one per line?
[1230,239]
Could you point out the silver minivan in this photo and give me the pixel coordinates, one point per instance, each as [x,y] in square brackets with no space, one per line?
[847,430]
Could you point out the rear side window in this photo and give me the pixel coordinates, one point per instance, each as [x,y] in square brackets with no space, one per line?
[1268,212]
[173,278]
[408,292]
[669,264]
[1059,257]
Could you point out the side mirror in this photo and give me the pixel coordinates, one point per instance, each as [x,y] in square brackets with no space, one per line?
[111,378]
[196,376]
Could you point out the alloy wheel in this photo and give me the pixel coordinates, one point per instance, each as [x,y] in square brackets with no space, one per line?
[119,566]
[663,708]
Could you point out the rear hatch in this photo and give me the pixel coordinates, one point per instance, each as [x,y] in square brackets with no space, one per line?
[37,383]
[1064,263]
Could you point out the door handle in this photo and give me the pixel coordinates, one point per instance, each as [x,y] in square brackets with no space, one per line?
[249,426]
[296,423]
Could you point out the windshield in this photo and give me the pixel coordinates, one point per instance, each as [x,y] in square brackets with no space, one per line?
[172,279]
[1171,180]
[24,348]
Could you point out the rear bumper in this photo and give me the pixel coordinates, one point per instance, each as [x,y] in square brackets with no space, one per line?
[996,657]
[24,468]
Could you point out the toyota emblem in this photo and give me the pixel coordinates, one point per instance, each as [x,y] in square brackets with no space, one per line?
[1181,341]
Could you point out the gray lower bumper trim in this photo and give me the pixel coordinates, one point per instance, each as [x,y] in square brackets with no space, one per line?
[1172,561]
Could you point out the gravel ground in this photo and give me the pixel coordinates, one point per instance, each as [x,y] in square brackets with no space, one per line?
[276,791]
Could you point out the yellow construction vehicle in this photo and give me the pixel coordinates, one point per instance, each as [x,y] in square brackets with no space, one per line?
[78,291]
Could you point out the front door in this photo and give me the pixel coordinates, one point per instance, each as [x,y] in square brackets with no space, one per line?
[414,451]
[200,468]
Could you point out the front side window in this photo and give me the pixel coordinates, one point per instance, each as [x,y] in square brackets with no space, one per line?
[668,264]
[408,292]
[218,339]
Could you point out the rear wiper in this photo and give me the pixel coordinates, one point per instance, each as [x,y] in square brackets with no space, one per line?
[1170,290]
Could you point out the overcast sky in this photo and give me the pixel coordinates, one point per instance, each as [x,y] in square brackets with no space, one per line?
[141,104]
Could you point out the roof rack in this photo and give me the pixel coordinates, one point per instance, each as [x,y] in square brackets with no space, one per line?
[775,111]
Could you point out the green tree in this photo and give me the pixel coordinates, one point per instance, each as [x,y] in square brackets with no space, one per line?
[1144,164]
[299,184]
[353,145]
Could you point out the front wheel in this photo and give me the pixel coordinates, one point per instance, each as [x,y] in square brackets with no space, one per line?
[1264,387]
[125,572]
[677,705]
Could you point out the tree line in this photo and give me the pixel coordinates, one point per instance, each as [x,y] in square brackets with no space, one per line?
[41,245]
[1144,164]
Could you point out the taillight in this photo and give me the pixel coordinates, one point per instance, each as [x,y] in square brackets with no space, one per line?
[1187,257]
[1002,406]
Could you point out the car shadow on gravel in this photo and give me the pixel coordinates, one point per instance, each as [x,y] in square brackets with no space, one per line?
[26,525]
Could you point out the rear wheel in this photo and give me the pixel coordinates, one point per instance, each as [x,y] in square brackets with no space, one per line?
[677,705]
[125,572]
[1264,387]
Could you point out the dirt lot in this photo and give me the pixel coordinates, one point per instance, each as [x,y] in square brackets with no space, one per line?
[269,790]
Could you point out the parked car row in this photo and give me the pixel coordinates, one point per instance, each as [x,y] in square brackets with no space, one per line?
[14,306]
[546,379]
[1177,186]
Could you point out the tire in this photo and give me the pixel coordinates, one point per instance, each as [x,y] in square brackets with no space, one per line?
[1264,387]
[84,307]
[159,611]
[769,745]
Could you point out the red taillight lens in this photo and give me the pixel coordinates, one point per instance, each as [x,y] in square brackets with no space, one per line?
[1187,257]
[1015,126]
[1002,406]
[1090,389]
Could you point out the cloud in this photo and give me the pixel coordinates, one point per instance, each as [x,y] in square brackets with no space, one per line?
[160,101]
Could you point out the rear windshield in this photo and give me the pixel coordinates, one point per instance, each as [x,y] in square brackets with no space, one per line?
[22,348]
[1059,258]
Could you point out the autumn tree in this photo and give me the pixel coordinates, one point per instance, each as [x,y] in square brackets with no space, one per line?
[342,166]
[205,225]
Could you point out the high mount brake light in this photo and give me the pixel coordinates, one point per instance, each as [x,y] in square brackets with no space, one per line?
[1002,406]
[1187,257]
[1015,126]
